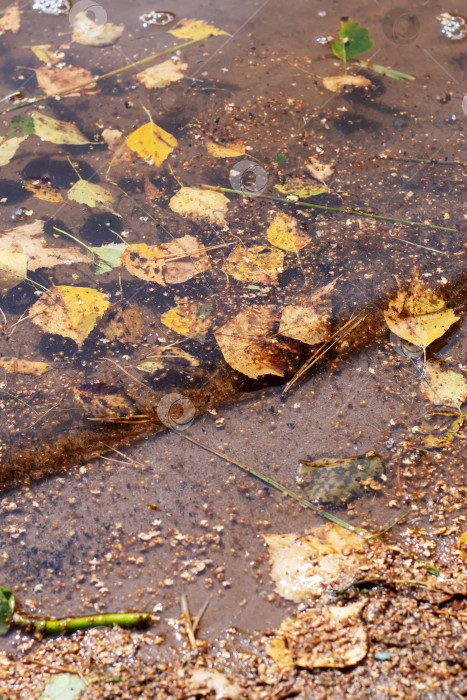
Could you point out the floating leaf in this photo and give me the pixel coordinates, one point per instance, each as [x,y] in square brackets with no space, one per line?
[200,205]
[7,608]
[299,188]
[13,269]
[191,320]
[257,264]
[444,387]
[168,263]
[152,143]
[354,40]
[20,126]
[52,79]
[10,21]
[69,311]
[124,323]
[42,188]
[232,149]
[63,686]
[338,481]
[418,314]
[28,240]
[195,29]
[90,194]
[41,51]
[309,322]
[17,366]
[333,637]
[90,33]
[306,566]
[337,82]
[108,257]
[163,74]
[284,232]
[56,131]
[248,343]
[8,148]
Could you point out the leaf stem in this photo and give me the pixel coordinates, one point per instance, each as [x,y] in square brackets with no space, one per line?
[341,210]
[73,624]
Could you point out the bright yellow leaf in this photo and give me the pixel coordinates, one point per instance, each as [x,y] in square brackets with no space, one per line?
[71,312]
[284,233]
[462,546]
[258,264]
[232,149]
[41,51]
[152,143]
[190,319]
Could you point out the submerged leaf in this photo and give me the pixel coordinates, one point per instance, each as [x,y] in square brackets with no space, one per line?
[444,387]
[168,263]
[88,32]
[7,608]
[10,21]
[107,257]
[195,29]
[52,80]
[28,240]
[17,366]
[257,264]
[200,205]
[152,143]
[43,189]
[124,323]
[163,74]
[284,232]
[191,319]
[20,126]
[69,311]
[300,188]
[232,149]
[63,686]
[167,358]
[56,131]
[90,194]
[13,268]
[309,322]
[354,40]
[8,148]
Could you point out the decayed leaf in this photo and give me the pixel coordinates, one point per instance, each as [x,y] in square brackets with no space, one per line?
[63,686]
[8,148]
[88,32]
[191,320]
[41,51]
[116,142]
[195,29]
[205,680]
[325,557]
[248,344]
[105,401]
[418,314]
[52,79]
[152,143]
[320,171]
[90,194]
[200,205]
[300,188]
[444,387]
[232,149]
[28,240]
[337,82]
[13,269]
[284,232]
[163,74]
[124,323]
[42,188]
[69,311]
[10,20]
[166,358]
[20,126]
[333,637]
[338,481]
[168,263]
[258,264]
[56,131]
[311,322]
[107,257]
[16,366]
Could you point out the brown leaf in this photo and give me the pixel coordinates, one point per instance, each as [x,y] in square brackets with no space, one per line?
[53,79]
[17,366]
[101,400]
[337,82]
[309,322]
[168,263]
[27,239]
[124,323]
[258,264]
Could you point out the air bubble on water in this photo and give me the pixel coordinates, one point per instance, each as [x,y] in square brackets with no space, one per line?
[453,26]
[160,18]
[322,40]
[52,7]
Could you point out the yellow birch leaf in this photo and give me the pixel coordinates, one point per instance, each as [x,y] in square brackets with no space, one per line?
[52,79]
[300,188]
[42,188]
[284,233]
[195,29]
[418,314]
[168,263]
[444,387]
[257,264]
[56,131]
[200,205]
[17,366]
[71,312]
[10,20]
[13,268]
[225,150]
[8,148]
[190,319]
[152,143]
[163,74]
[41,51]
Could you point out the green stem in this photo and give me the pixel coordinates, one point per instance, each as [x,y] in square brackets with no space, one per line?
[98,78]
[73,624]
[90,250]
[280,487]
[431,161]
[323,207]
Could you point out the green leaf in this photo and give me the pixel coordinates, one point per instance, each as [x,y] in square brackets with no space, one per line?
[63,686]
[108,257]
[56,131]
[354,40]
[7,608]
[85,192]
[383,70]
[20,126]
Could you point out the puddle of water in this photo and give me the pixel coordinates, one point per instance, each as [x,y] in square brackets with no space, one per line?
[135,534]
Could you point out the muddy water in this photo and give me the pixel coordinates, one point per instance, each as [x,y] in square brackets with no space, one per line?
[136,530]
